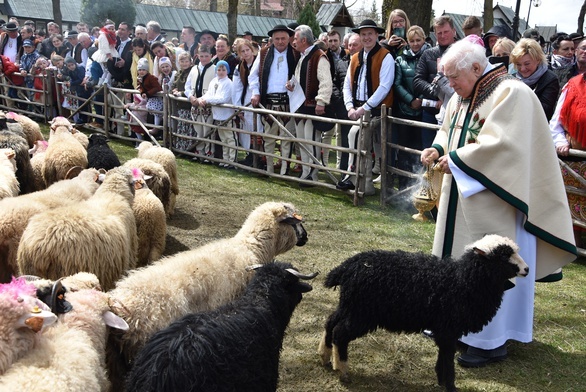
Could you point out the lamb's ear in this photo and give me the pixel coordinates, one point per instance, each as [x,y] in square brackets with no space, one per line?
[479,251]
[114,321]
[73,172]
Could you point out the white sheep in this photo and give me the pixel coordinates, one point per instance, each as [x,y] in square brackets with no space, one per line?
[37,161]
[9,186]
[70,355]
[151,226]
[16,212]
[97,235]
[31,128]
[63,153]
[158,181]
[166,158]
[150,298]
[22,315]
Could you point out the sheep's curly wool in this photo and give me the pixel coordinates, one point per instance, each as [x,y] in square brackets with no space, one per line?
[97,235]
[16,212]
[99,154]
[409,292]
[200,279]
[63,153]
[233,348]
[9,186]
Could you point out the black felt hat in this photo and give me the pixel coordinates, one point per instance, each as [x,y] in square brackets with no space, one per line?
[368,24]
[10,26]
[206,31]
[281,28]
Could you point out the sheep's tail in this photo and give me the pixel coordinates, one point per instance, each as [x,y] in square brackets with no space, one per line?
[335,277]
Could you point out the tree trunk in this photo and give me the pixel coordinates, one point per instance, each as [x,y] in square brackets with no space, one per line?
[232,20]
[488,16]
[580,28]
[213,5]
[57,17]
[418,11]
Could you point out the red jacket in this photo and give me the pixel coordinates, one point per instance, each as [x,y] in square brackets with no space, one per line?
[149,85]
[9,68]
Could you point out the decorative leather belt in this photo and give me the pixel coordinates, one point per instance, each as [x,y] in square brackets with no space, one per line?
[358,104]
[278,98]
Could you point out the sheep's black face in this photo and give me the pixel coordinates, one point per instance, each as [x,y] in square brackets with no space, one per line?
[301,234]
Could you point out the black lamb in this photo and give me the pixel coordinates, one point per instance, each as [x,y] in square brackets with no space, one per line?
[99,154]
[410,292]
[235,347]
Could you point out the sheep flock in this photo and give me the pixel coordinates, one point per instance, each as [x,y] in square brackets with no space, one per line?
[89,302]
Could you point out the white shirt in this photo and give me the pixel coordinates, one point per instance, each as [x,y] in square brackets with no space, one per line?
[10,49]
[386,77]
[278,74]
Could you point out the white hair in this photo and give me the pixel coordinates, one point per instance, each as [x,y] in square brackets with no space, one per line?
[306,32]
[463,54]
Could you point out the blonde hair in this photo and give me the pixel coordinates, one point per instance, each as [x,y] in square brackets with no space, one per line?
[184,54]
[527,46]
[56,58]
[394,13]
[505,43]
[415,30]
[246,43]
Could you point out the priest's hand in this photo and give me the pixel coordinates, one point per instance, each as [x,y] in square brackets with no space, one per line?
[429,156]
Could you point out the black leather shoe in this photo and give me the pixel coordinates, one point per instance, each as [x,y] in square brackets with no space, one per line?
[304,185]
[345,185]
[476,357]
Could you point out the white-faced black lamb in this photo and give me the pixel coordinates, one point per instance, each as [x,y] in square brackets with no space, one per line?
[233,348]
[99,154]
[198,280]
[410,292]
[97,235]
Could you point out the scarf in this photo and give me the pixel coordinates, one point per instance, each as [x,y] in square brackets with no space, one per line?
[558,61]
[199,81]
[534,77]
[573,113]
[111,35]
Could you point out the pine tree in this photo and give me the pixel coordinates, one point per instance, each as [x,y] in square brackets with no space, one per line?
[95,12]
[307,17]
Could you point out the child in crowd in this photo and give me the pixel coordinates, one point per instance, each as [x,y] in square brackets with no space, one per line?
[38,72]
[76,74]
[196,86]
[183,108]
[149,86]
[57,67]
[27,63]
[106,43]
[166,73]
[140,111]
[219,92]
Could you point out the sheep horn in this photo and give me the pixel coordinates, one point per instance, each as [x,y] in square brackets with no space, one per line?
[30,278]
[300,275]
[253,267]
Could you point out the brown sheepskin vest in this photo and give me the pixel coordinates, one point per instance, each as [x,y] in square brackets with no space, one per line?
[374,62]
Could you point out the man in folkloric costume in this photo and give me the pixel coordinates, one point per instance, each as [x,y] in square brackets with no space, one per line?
[502,177]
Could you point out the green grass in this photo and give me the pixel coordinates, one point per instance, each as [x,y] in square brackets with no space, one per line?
[214,202]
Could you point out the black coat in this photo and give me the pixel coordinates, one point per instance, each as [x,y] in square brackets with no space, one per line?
[547,90]
[122,74]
